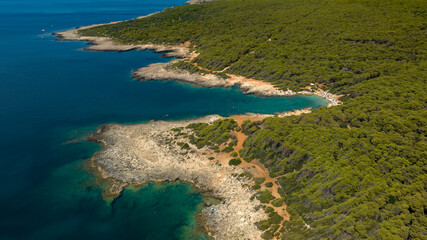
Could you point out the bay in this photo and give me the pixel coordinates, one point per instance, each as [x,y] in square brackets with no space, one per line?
[53,94]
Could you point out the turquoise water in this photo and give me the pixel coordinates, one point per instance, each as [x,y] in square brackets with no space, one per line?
[52,95]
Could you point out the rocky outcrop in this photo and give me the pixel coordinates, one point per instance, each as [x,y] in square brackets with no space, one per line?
[136,154]
[165,71]
[108,44]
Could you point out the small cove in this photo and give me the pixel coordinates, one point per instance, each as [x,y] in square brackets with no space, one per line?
[53,93]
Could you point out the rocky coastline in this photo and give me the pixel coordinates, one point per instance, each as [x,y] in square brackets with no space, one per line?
[101,44]
[141,153]
[166,71]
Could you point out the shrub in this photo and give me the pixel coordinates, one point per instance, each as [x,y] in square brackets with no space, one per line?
[265,196]
[227,149]
[268,235]
[269,209]
[278,202]
[183,145]
[246,174]
[275,218]
[259,180]
[213,134]
[263,225]
[249,127]
[235,162]
[269,184]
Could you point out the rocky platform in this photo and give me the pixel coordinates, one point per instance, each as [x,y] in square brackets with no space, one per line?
[141,153]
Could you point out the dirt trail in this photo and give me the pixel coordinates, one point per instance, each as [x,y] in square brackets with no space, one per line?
[268,88]
[232,77]
[256,168]
[260,171]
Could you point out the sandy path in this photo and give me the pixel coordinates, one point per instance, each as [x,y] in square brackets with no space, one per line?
[256,168]
[260,171]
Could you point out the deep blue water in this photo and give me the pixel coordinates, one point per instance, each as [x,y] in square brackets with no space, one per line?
[52,92]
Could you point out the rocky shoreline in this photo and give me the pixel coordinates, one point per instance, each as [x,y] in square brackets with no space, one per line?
[166,71]
[107,44]
[141,153]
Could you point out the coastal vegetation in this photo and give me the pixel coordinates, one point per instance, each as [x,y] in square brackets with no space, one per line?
[249,127]
[213,135]
[288,43]
[270,225]
[191,68]
[235,162]
[354,171]
[227,149]
[278,202]
[259,180]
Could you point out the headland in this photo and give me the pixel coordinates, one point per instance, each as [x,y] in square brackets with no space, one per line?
[142,153]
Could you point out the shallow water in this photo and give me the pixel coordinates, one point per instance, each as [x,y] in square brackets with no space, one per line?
[52,94]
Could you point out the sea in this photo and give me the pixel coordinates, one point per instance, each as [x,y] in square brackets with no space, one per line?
[53,94]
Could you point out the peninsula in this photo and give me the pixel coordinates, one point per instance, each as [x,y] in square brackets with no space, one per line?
[137,154]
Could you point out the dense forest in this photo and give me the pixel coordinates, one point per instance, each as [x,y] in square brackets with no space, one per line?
[354,171]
